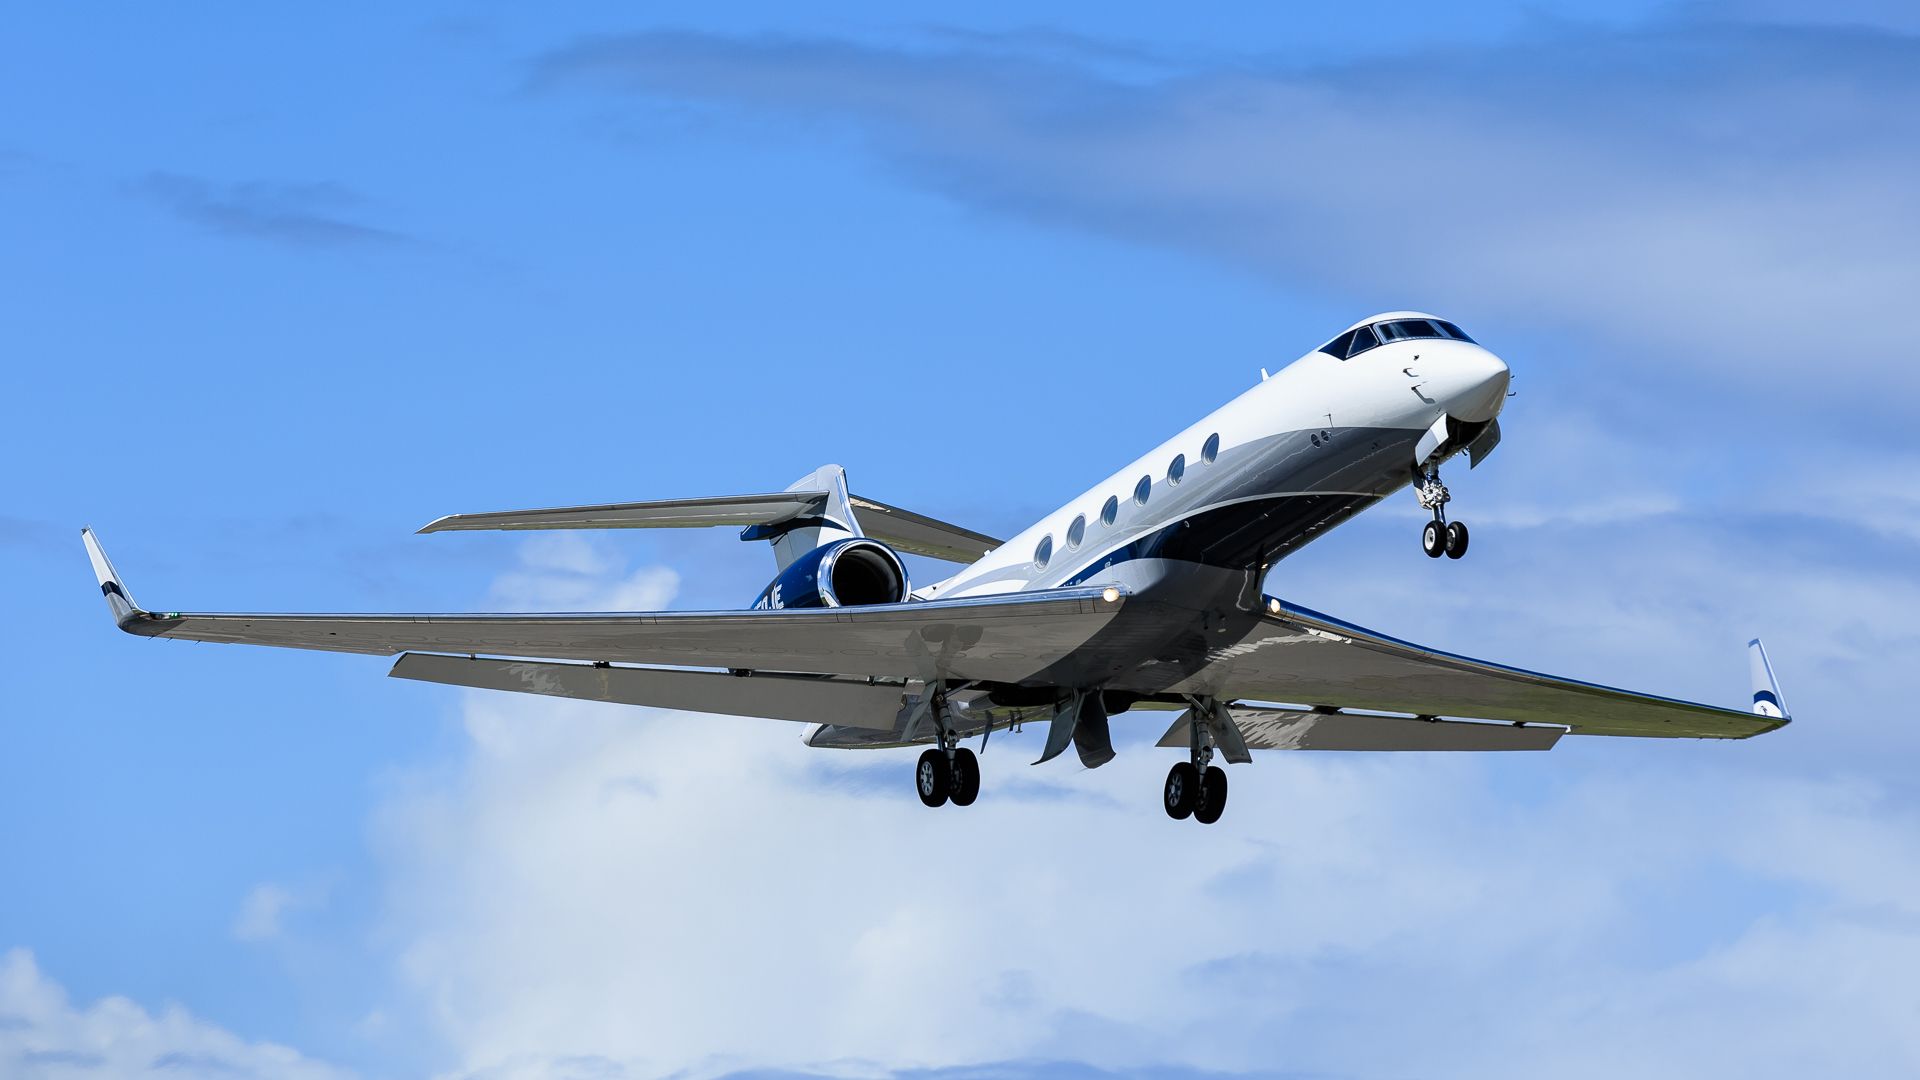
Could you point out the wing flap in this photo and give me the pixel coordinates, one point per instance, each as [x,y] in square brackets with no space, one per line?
[1300,655]
[1303,729]
[808,699]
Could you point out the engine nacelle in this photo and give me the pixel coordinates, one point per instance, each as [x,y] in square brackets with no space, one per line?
[845,573]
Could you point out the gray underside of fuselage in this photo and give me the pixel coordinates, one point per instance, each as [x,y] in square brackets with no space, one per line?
[1194,575]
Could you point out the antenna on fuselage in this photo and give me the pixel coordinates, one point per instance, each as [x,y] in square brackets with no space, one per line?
[1264,376]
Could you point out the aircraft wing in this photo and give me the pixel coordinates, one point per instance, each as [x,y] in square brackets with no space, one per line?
[1302,656]
[1000,639]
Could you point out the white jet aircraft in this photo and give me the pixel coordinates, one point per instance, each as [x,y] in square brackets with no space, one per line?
[1143,593]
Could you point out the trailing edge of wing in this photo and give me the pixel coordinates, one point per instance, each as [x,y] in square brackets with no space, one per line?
[994,638]
[738,511]
[807,699]
[1267,728]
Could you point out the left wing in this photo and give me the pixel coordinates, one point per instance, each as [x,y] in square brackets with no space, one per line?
[1264,728]
[1302,656]
[998,638]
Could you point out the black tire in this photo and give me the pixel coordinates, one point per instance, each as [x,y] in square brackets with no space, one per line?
[1433,540]
[1456,540]
[965,783]
[1213,796]
[1182,790]
[931,777]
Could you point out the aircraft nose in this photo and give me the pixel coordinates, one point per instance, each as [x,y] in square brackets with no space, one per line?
[1480,380]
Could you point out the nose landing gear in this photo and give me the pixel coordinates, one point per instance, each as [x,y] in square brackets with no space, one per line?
[1439,536]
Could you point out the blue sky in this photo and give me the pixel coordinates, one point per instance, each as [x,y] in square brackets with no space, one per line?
[279,290]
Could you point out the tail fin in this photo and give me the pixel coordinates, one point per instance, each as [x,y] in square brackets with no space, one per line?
[1766,689]
[834,520]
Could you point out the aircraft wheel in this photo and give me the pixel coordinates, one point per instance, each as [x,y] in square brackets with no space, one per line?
[1456,540]
[965,782]
[932,777]
[1213,796]
[1433,539]
[1182,790]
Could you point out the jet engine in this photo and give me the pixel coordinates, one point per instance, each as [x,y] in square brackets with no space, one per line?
[845,573]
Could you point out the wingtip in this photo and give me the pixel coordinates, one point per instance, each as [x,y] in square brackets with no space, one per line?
[112,586]
[1768,701]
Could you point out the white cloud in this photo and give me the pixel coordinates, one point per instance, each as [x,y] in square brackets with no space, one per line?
[602,891]
[43,1037]
[569,572]
[1690,193]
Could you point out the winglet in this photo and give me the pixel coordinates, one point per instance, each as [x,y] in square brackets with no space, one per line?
[1766,689]
[124,609]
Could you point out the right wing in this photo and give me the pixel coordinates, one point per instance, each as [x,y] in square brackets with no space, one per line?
[997,638]
[903,529]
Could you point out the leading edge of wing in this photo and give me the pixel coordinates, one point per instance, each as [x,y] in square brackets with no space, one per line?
[1716,721]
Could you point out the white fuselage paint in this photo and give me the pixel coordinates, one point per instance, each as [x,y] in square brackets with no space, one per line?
[1399,387]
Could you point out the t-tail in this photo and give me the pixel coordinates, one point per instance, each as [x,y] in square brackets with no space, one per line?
[831,548]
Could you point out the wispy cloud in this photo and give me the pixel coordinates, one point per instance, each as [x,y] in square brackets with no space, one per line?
[42,1034]
[1716,195]
[306,215]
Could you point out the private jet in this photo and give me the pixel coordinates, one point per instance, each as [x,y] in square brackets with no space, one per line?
[1143,595]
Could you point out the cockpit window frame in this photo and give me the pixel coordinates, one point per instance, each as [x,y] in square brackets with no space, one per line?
[1361,339]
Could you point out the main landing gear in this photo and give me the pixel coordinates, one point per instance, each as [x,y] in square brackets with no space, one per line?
[1440,536]
[1197,788]
[948,775]
[1190,792]
[949,772]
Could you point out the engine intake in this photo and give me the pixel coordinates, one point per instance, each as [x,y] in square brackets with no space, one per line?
[845,573]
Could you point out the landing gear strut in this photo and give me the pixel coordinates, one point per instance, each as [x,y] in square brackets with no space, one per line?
[1196,788]
[1439,537]
[949,772]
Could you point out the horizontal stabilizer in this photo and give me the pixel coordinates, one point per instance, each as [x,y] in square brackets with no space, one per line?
[737,511]
[920,534]
[1297,729]
[809,699]
[903,529]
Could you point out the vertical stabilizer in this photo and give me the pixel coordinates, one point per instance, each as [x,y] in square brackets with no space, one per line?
[835,520]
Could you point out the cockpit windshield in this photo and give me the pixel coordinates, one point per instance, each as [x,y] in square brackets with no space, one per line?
[1361,338]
